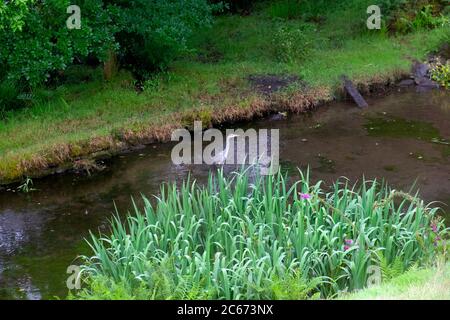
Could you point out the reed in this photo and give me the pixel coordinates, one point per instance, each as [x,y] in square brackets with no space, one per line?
[249,237]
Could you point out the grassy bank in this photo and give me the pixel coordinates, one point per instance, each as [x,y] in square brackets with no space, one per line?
[83,119]
[416,284]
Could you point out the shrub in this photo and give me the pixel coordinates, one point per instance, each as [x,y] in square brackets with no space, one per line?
[236,5]
[36,42]
[441,74]
[287,9]
[407,16]
[306,9]
[77,74]
[9,97]
[153,33]
[425,19]
[251,237]
[292,43]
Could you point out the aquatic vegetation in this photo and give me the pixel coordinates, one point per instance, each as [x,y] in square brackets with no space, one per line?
[251,237]
[390,168]
[400,128]
[26,186]
[88,166]
[325,164]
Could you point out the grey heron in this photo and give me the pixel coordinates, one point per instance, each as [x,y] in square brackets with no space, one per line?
[221,157]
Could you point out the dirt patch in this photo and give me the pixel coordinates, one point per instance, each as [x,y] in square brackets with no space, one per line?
[270,83]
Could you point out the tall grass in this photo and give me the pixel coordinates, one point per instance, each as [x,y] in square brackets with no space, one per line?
[245,237]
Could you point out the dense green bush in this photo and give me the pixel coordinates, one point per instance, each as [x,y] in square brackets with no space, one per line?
[287,9]
[36,43]
[306,9]
[247,237]
[405,16]
[236,5]
[153,33]
[9,97]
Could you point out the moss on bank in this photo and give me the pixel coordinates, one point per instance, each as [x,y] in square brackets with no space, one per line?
[96,118]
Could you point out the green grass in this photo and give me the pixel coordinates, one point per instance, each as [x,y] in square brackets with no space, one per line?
[214,77]
[251,237]
[416,284]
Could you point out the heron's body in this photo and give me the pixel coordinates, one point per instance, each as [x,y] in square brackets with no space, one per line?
[221,157]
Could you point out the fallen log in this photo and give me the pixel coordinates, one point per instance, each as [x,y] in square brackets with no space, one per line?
[354,93]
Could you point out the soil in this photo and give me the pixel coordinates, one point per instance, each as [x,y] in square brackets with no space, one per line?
[270,83]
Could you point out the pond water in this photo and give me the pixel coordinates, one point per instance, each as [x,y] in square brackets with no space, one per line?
[402,138]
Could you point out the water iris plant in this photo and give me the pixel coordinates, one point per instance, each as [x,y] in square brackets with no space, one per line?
[247,237]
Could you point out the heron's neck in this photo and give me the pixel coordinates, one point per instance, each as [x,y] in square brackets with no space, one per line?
[227,147]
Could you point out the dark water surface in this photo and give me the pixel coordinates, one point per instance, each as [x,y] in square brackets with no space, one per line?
[402,138]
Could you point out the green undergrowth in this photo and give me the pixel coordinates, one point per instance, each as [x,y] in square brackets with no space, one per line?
[416,284]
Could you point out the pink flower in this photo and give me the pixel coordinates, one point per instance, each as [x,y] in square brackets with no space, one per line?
[305,196]
[348,242]
[434,227]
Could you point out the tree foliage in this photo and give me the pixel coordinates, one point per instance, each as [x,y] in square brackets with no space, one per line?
[154,32]
[36,41]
